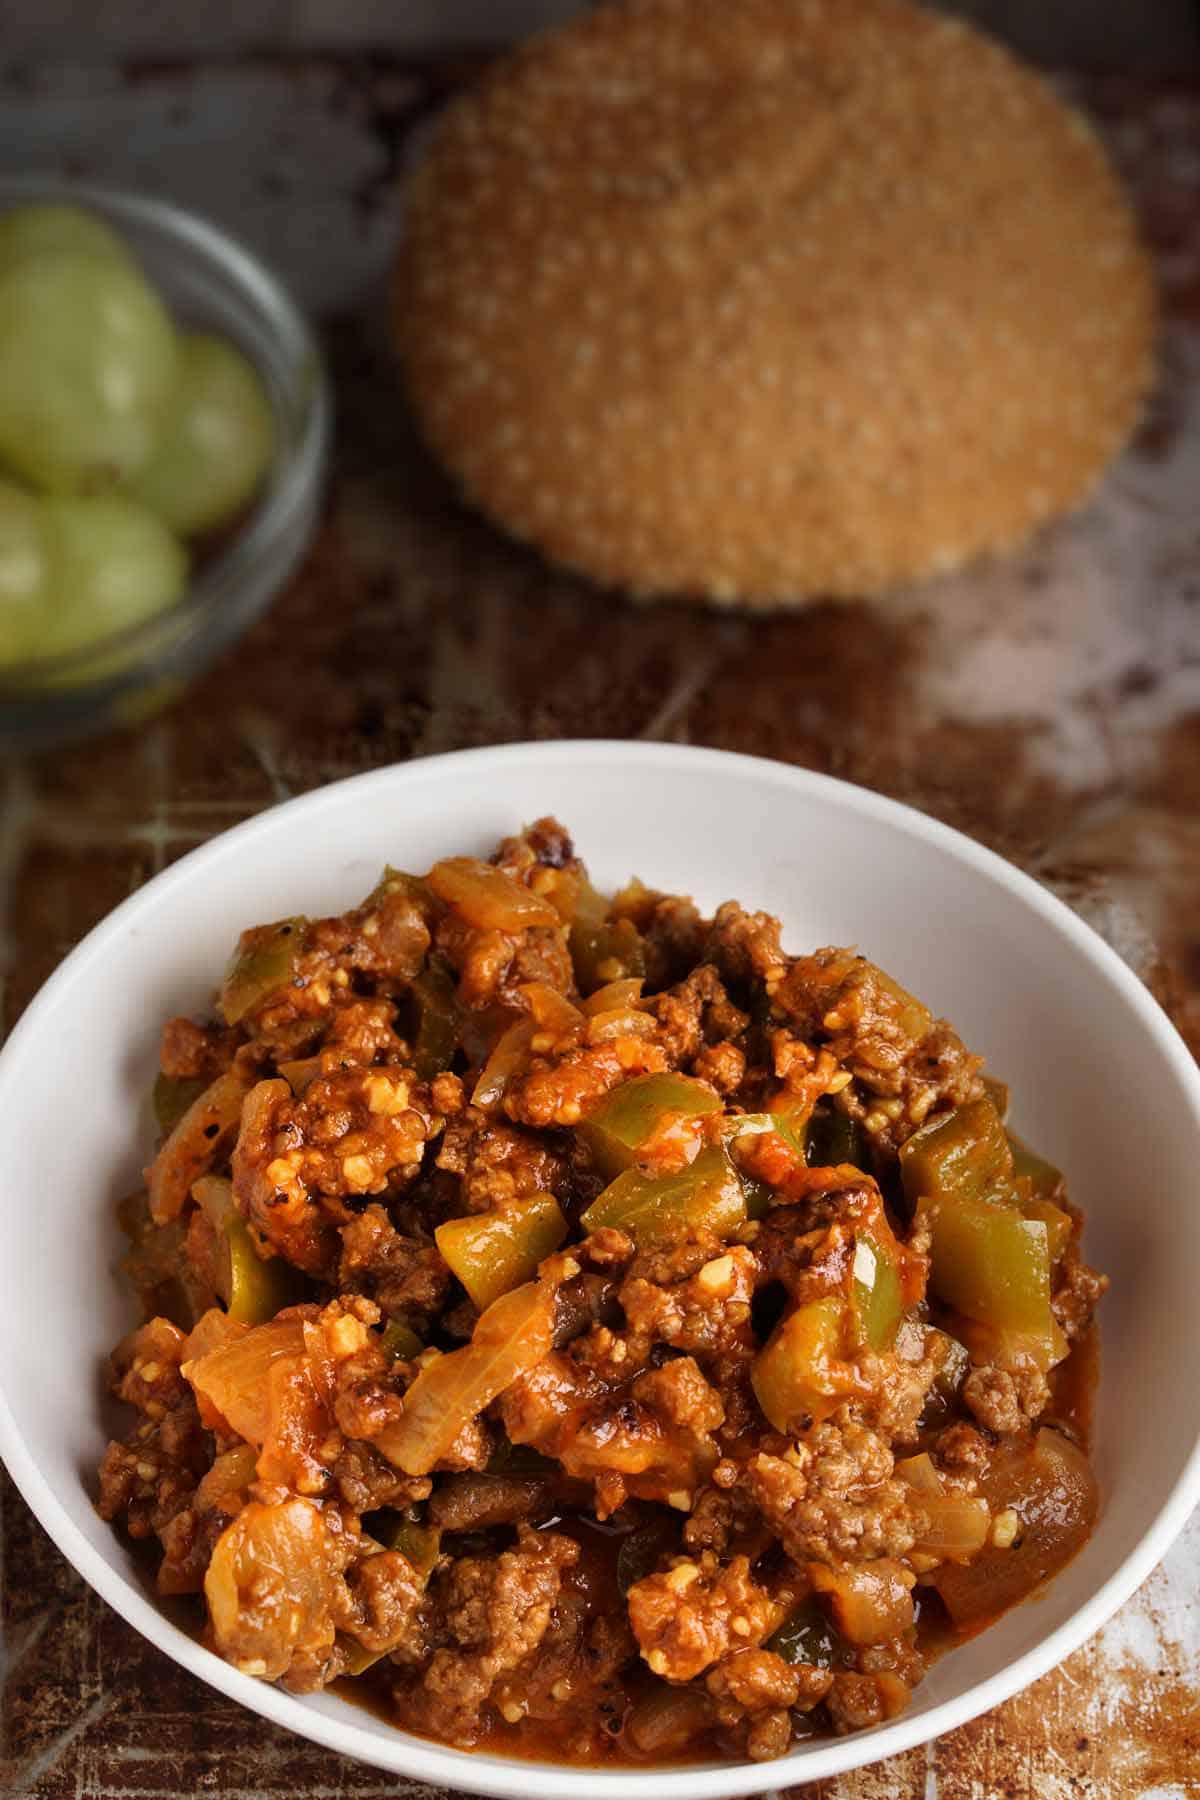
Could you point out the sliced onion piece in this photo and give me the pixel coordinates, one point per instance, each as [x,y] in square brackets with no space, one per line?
[511,1337]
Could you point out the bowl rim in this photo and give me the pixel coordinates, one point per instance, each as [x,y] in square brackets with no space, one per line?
[282,503]
[427,1760]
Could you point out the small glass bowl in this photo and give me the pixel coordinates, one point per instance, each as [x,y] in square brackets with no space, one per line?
[210,283]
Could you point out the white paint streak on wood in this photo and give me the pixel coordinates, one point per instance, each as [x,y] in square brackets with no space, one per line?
[664,722]
[29,1773]
[258,739]
[156,754]
[16,1645]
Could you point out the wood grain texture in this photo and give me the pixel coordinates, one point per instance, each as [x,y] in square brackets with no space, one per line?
[1049,705]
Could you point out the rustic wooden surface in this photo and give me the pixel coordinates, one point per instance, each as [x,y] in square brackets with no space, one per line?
[1050,706]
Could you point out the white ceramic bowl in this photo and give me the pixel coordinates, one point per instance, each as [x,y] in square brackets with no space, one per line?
[1100,1082]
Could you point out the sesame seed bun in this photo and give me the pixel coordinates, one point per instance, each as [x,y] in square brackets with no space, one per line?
[770,298]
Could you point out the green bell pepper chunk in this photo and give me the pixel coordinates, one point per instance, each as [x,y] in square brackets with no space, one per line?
[263,961]
[958,1155]
[759,1197]
[254,1289]
[602,949]
[1045,1181]
[398,883]
[628,1119]
[356,1660]
[822,1137]
[740,1128]
[171,1097]
[783,1122]
[991,1257]
[802,1375]
[656,1208]
[436,1038]
[878,1302]
[993,1266]
[257,1289]
[420,1544]
[1040,1186]
[789,1118]
[806,1636]
[1060,1227]
[831,1137]
[493,1252]
[911,1015]
[399,1342]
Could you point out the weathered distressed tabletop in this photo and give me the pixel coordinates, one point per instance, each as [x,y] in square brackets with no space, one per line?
[1049,706]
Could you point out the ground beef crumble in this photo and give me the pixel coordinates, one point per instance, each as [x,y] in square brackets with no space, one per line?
[493,1612]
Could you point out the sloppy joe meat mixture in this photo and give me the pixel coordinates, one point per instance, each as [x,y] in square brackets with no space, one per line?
[583,1328]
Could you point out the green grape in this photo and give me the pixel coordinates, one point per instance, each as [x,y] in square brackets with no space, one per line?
[87,366]
[25,573]
[216,441]
[114,565]
[31,230]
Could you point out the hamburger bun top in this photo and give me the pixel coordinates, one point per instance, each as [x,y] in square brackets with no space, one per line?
[770,298]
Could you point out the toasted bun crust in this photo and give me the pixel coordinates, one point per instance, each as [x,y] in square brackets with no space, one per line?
[768,298]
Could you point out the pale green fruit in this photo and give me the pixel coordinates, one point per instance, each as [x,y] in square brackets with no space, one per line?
[217,440]
[113,565]
[25,573]
[31,230]
[88,358]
